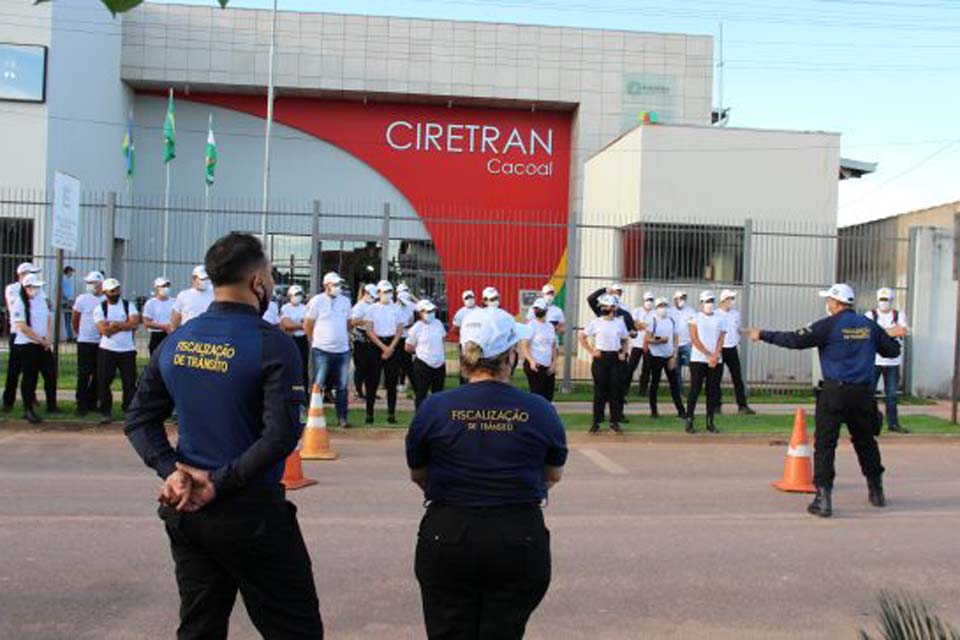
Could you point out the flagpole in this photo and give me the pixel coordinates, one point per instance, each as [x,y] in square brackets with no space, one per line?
[266,143]
[166,220]
[206,214]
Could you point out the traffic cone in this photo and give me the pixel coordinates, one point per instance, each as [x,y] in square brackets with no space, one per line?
[316,440]
[798,468]
[293,477]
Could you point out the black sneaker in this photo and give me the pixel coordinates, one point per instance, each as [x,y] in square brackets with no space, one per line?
[896,428]
[391,419]
[746,411]
[655,415]
[594,428]
[625,420]
[31,416]
[369,420]
[689,426]
[616,428]
[106,419]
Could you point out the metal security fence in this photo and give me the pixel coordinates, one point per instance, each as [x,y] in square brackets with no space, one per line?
[774,262]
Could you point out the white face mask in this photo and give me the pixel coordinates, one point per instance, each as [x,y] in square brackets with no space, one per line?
[201,285]
[681,303]
[708,307]
[33,292]
[386,298]
[297,299]
[404,296]
[661,312]
[335,291]
[91,288]
[429,317]
[884,305]
[648,304]
[163,291]
[548,298]
[469,303]
[493,303]
[826,308]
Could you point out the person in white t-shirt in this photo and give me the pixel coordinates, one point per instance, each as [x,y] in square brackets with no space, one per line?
[554,313]
[272,314]
[327,322]
[707,332]
[639,356]
[364,353]
[156,313]
[894,321]
[425,340]
[193,301]
[469,304]
[384,329]
[33,322]
[541,366]
[731,352]
[661,346]
[88,342]
[292,315]
[611,340]
[117,320]
[408,315]
[682,314]
[14,367]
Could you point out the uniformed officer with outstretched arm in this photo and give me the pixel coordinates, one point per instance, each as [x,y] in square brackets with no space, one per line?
[848,343]
[237,385]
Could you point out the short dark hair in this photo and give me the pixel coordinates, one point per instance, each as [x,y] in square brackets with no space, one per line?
[68,269]
[232,258]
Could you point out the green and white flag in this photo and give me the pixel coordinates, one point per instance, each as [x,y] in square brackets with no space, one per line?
[169,132]
[211,163]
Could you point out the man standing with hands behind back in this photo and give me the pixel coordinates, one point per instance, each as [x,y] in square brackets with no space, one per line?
[237,385]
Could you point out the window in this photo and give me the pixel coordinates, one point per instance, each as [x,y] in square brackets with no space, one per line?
[23,72]
[682,252]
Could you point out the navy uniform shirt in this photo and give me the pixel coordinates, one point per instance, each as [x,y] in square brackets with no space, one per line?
[236,382]
[848,344]
[486,444]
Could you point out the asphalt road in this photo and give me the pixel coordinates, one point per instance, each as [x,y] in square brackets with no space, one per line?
[653,538]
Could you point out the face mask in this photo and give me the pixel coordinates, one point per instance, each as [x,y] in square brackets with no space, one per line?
[540,313]
[661,312]
[335,291]
[201,285]
[708,307]
[386,298]
[163,291]
[91,288]
[113,297]
[548,298]
[297,299]
[826,308]
[681,304]
[648,304]
[884,305]
[429,317]
[493,303]
[469,303]
[404,297]
[32,292]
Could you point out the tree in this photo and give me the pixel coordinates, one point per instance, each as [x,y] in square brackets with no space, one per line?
[120,6]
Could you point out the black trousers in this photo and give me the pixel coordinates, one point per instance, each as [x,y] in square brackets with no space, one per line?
[303,346]
[362,352]
[855,406]
[87,389]
[482,572]
[108,364]
[630,369]
[542,382]
[607,373]
[156,337]
[731,359]
[658,365]
[249,543]
[390,368]
[427,380]
[14,368]
[405,362]
[36,361]
[700,372]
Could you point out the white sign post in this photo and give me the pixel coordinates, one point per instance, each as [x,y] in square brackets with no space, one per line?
[64,235]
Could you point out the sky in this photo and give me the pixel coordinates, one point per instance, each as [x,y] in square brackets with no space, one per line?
[884,73]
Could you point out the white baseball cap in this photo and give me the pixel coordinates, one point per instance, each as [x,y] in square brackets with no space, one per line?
[426,305]
[548,288]
[660,302]
[616,286]
[493,330]
[885,294]
[93,277]
[647,295]
[726,294]
[468,294]
[402,287]
[384,285]
[490,292]
[110,284]
[160,282]
[540,303]
[295,290]
[370,289]
[200,272]
[33,280]
[26,267]
[332,278]
[679,294]
[707,295]
[607,300]
[841,292]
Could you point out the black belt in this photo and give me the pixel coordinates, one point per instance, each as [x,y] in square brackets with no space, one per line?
[504,508]
[840,384]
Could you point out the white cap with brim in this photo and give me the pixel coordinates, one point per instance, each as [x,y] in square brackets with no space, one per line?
[840,292]
[33,280]
[647,295]
[540,303]
[490,292]
[200,272]
[426,305]
[707,295]
[608,300]
[727,294]
[93,277]
[884,294]
[110,284]
[679,294]
[660,302]
[402,287]
[26,267]
[161,282]
[616,286]
[548,288]
[370,290]
[494,331]
[332,278]
[384,285]
[295,290]
[468,294]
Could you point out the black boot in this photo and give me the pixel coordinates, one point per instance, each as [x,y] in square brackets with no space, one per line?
[594,428]
[616,428]
[31,416]
[875,489]
[712,428]
[896,428]
[689,425]
[822,505]
[746,411]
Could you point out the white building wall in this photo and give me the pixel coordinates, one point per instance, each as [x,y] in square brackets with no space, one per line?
[931,344]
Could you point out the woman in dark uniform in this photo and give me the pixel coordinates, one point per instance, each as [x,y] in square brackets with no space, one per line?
[485,455]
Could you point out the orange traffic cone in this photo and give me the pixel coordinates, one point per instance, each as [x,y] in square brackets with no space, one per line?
[316,440]
[798,468]
[293,473]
